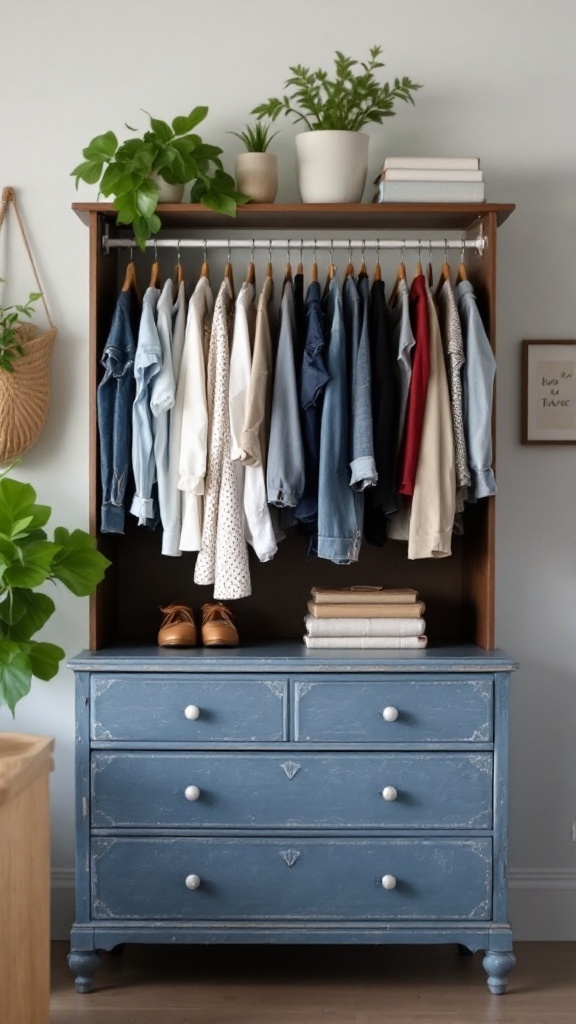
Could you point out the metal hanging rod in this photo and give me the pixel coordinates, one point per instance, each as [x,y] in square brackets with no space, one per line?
[478,244]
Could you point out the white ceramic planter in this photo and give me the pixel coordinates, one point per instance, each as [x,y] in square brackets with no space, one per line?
[332,166]
[167,193]
[257,176]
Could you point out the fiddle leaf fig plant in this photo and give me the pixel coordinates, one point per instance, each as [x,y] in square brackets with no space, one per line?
[28,560]
[347,102]
[172,151]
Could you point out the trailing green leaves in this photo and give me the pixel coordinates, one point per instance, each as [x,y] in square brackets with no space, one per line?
[10,319]
[346,102]
[174,153]
[28,559]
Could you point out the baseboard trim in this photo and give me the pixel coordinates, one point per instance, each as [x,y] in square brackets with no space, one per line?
[542,903]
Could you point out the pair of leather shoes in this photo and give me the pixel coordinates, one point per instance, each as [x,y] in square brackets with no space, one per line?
[178,627]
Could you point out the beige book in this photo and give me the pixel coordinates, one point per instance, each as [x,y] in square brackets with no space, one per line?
[363,595]
[364,627]
[366,642]
[367,611]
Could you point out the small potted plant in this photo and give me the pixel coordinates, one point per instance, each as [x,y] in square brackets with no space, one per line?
[28,559]
[136,171]
[256,170]
[332,153]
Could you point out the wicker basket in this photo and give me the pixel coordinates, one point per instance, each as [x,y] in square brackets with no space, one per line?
[25,394]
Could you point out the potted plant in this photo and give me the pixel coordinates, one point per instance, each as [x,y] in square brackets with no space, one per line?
[332,154]
[256,170]
[28,559]
[135,172]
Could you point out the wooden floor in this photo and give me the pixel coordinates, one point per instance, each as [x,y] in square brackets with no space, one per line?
[316,985]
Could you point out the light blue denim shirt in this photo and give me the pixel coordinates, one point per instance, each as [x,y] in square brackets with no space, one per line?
[147,364]
[477,391]
[403,343]
[285,467]
[340,508]
[355,305]
[114,402]
[162,394]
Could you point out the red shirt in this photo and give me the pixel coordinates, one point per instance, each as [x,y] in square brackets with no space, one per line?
[410,446]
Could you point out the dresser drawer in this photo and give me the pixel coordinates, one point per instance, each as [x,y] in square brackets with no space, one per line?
[190,709]
[296,879]
[264,790]
[409,710]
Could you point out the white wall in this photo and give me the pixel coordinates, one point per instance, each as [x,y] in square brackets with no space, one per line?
[500,82]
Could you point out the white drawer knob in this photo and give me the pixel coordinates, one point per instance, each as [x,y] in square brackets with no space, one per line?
[192,793]
[388,882]
[390,714]
[192,881]
[389,793]
[192,712]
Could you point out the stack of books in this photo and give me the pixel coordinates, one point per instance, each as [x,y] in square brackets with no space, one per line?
[421,179]
[365,617]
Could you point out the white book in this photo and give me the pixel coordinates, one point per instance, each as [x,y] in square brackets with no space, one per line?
[430,192]
[426,174]
[364,627]
[434,163]
[366,642]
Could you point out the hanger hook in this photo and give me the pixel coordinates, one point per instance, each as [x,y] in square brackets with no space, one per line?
[131,253]
[301,248]
[331,250]
[155,252]
[403,251]
[363,249]
[252,252]
[269,250]
[419,249]
[429,249]
[349,250]
[377,250]
[445,250]
[288,250]
[462,248]
[315,251]
[178,251]
[204,250]
[229,253]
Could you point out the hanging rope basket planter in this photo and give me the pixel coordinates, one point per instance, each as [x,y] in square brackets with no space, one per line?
[25,393]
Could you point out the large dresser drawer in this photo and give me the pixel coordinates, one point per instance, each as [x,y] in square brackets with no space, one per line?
[189,709]
[185,879]
[265,790]
[428,709]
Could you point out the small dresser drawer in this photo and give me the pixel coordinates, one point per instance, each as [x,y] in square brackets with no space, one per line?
[429,709]
[272,791]
[298,879]
[188,709]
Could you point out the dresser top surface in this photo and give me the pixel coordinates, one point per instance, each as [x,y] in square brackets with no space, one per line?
[292,656]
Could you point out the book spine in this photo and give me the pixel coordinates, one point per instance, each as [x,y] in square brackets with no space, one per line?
[408,174]
[434,163]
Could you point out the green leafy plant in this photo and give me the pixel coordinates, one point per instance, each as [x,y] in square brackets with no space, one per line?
[28,559]
[10,317]
[256,137]
[175,153]
[347,102]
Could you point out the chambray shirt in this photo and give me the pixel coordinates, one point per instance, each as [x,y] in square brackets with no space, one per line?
[478,387]
[147,364]
[285,468]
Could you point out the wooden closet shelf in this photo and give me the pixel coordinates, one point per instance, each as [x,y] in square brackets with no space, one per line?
[370,216]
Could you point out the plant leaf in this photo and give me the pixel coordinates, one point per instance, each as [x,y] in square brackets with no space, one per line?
[45,659]
[15,673]
[34,565]
[77,563]
[25,613]
[182,125]
[102,147]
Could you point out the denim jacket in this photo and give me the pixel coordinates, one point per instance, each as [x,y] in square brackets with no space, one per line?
[340,508]
[477,385]
[114,403]
[355,305]
[313,380]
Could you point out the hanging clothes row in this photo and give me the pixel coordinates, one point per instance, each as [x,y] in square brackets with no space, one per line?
[351,415]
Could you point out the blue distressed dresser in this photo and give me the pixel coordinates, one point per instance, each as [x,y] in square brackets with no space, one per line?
[272,793]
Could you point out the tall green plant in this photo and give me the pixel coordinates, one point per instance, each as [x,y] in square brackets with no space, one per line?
[28,559]
[347,102]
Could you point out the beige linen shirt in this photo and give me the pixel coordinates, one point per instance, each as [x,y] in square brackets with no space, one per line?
[254,438]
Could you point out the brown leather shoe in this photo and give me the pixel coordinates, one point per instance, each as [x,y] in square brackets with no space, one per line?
[178,628]
[218,630]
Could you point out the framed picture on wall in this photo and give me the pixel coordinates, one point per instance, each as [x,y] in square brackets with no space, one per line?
[549,392]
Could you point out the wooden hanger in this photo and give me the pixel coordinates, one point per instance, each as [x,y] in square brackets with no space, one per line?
[269,269]
[300,267]
[400,276]
[204,270]
[377,268]
[155,271]
[462,273]
[444,272]
[429,271]
[251,269]
[130,280]
[350,266]
[418,270]
[229,275]
[363,272]
[314,267]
